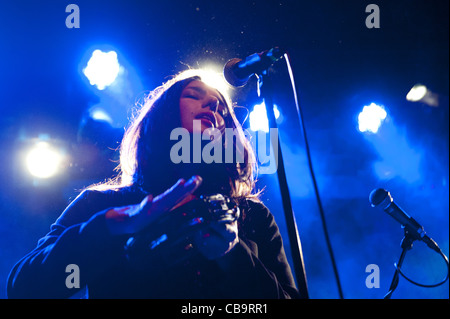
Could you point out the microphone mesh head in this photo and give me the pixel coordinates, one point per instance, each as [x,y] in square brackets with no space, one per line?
[229,73]
[377,196]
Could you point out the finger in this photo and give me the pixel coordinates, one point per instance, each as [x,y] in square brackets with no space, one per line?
[176,193]
[147,202]
[155,205]
[181,190]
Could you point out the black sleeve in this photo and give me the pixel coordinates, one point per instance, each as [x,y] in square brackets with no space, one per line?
[257,266]
[80,236]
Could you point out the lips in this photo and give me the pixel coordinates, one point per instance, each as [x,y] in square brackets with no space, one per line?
[208,116]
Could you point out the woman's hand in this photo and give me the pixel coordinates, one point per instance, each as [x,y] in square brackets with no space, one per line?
[133,218]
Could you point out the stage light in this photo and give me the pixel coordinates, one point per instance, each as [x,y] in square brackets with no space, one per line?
[102,69]
[43,160]
[99,114]
[258,117]
[212,76]
[371,118]
[420,93]
[417,93]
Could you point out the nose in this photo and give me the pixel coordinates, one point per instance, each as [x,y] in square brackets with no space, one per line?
[213,104]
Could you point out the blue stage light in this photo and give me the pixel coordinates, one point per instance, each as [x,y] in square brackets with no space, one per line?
[258,117]
[102,68]
[371,118]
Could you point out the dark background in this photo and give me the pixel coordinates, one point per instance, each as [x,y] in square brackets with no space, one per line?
[339,65]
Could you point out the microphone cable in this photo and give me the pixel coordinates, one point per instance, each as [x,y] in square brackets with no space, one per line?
[426,285]
[316,189]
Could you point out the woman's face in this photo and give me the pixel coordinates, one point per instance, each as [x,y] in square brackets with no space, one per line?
[203,103]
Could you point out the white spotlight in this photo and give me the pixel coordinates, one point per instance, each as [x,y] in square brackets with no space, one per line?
[258,117]
[371,118]
[43,161]
[212,76]
[420,93]
[416,93]
[102,68]
[100,114]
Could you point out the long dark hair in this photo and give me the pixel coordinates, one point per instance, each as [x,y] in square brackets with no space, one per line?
[145,148]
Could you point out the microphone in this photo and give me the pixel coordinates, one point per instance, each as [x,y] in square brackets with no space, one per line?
[383,199]
[237,72]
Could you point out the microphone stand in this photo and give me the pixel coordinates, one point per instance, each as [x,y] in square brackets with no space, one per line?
[406,244]
[265,91]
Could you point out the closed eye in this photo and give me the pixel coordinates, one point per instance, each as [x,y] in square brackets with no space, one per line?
[191,97]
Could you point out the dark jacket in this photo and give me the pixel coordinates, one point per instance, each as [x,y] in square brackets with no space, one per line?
[257,265]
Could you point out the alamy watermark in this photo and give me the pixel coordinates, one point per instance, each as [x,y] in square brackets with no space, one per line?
[73,19]
[264,145]
[73,279]
[373,279]
[373,19]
